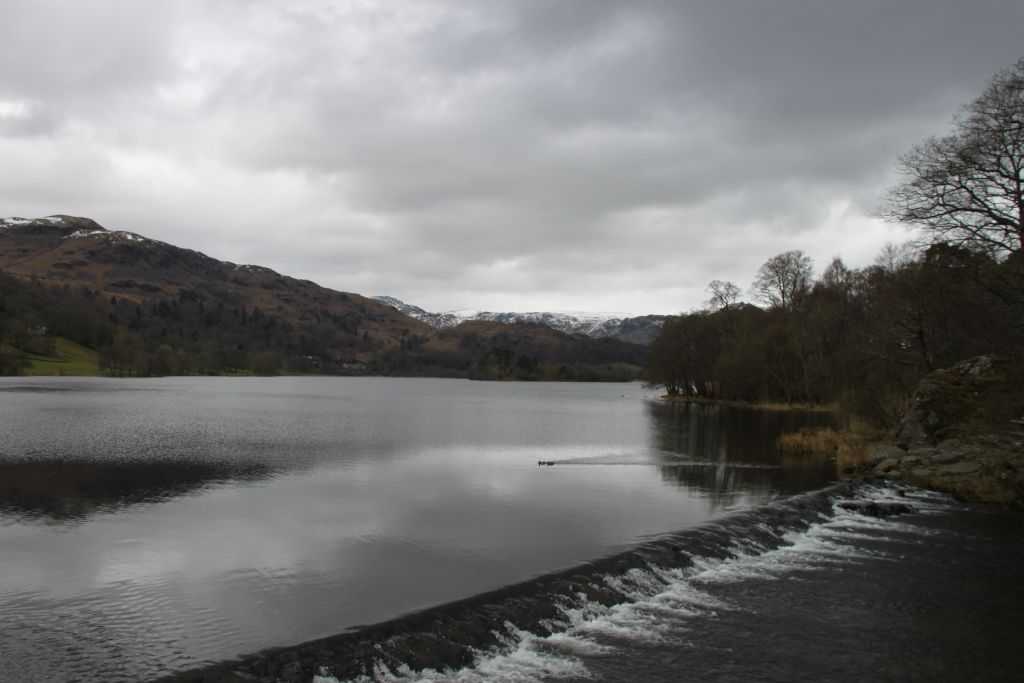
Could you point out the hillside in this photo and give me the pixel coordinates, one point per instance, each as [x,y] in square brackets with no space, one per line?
[63,250]
[150,307]
[534,351]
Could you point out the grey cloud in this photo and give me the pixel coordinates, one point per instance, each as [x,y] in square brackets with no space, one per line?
[27,119]
[526,151]
[82,52]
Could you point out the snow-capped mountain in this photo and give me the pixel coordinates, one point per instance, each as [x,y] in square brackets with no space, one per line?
[72,228]
[636,329]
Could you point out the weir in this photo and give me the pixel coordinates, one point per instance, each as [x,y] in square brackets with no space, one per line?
[456,635]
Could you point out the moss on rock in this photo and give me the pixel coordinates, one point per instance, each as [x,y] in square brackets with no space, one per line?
[964,433]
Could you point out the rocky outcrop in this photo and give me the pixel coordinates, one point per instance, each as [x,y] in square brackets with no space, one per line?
[872,508]
[964,434]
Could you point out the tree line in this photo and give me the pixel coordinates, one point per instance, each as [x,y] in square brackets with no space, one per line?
[864,337]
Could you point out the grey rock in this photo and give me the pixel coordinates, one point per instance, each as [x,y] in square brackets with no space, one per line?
[993,461]
[887,465]
[966,467]
[932,412]
[239,676]
[914,430]
[922,472]
[911,461]
[923,452]
[874,508]
[947,457]
[882,452]
[292,671]
[972,367]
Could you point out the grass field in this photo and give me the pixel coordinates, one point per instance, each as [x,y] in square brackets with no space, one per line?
[69,359]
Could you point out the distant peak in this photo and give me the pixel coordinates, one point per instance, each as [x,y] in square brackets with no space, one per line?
[632,328]
[17,220]
[72,223]
[390,301]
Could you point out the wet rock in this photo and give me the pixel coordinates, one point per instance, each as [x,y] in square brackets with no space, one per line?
[603,595]
[873,508]
[239,676]
[292,672]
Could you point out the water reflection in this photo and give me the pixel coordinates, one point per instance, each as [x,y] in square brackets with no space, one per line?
[180,520]
[724,452]
[61,491]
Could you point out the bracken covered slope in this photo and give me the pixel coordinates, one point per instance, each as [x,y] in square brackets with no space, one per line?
[129,296]
[65,250]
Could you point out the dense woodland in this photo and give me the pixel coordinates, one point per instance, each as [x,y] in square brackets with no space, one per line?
[863,338]
[199,333]
[183,335]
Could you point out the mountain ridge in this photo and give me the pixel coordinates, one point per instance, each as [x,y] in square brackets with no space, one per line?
[633,329]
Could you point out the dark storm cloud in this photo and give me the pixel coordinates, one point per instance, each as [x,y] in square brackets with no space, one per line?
[529,155]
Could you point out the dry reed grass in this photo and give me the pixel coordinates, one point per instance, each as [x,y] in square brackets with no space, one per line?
[808,441]
[849,446]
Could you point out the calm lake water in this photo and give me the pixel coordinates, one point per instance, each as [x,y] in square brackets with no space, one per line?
[148,526]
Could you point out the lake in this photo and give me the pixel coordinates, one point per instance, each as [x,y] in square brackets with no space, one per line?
[153,525]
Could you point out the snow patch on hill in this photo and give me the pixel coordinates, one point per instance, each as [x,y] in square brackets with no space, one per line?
[84,233]
[637,329]
[15,221]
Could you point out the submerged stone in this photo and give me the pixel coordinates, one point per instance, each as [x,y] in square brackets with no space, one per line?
[872,508]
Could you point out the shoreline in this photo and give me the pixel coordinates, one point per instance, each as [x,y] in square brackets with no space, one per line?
[986,469]
[761,405]
[962,435]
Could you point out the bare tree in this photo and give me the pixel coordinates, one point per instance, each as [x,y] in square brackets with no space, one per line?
[967,188]
[893,257]
[784,280]
[723,294]
[837,276]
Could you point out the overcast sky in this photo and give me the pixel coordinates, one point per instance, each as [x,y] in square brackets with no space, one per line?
[516,155]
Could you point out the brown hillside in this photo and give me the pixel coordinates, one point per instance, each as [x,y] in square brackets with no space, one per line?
[477,338]
[65,250]
[124,294]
